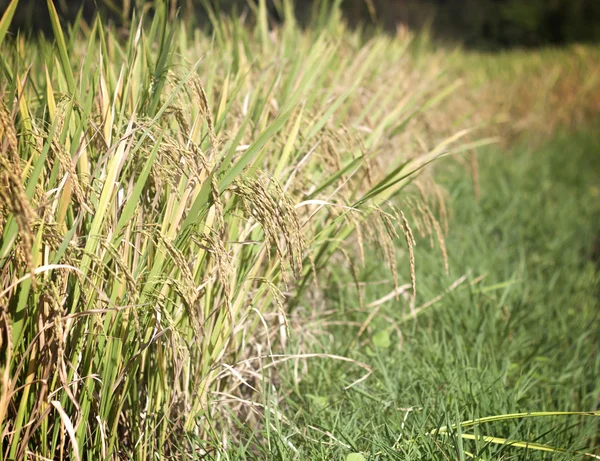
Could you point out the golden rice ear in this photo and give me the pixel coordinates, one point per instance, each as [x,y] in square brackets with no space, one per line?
[297,243]
[416,217]
[389,235]
[201,94]
[66,165]
[212,242]
[359,236]
[12,191]
[8,133]
[442,209]
[218,206]
[196,94]
[278,219]
[410,243]
[355,276]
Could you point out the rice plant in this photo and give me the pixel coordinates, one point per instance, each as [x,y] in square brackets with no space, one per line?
[165,196]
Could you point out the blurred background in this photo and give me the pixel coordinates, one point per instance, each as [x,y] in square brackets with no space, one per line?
[480,24]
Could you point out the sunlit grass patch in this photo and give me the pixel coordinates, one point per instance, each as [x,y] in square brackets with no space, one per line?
[501,362]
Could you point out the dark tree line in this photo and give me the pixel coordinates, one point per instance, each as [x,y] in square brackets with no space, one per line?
[498,23]
[488,24]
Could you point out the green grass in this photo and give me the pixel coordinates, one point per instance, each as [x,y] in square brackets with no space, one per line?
[519,335]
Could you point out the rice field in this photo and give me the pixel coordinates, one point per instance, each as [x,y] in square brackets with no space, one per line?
[177,206]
